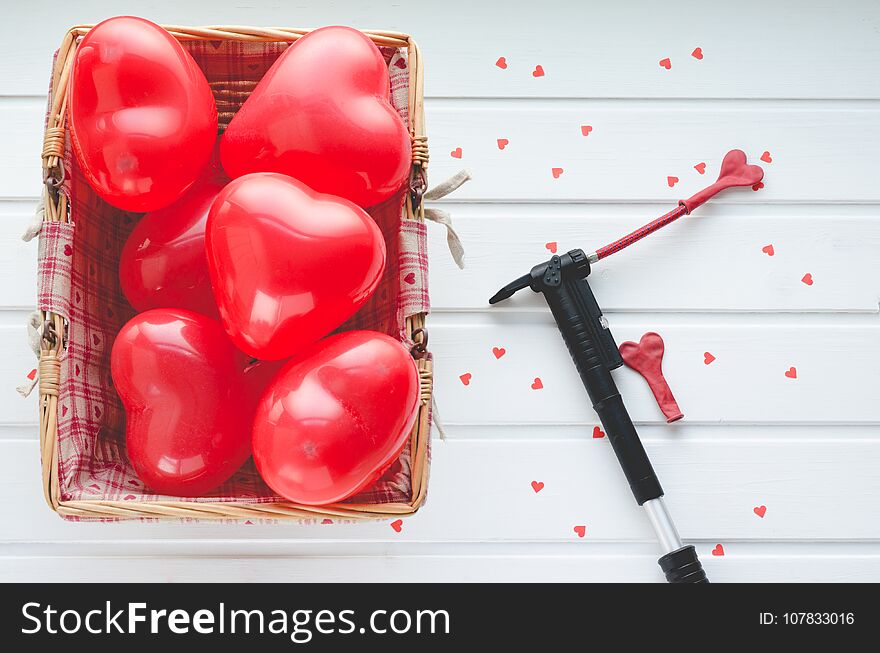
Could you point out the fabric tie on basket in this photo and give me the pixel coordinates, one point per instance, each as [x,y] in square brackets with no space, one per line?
[442,217]
[78,279]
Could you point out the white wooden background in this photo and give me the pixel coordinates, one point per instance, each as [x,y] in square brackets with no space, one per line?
[796,79]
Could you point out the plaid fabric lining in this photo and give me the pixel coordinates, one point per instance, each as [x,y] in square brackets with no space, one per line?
[78,278]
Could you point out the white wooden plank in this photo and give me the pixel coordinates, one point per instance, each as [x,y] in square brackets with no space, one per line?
[779,49]
[710,261]
[18,260]
[837,367]
[481,491]
[740,563]
[820,152]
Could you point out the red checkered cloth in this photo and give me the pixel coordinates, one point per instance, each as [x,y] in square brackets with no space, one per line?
[79,279]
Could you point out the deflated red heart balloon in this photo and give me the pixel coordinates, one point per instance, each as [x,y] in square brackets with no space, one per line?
[336,417]
[163,263]
[288,265]
[142,117]
[180,380]
[322,114]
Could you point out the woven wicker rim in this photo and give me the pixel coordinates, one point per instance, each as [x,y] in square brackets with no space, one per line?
[51,348]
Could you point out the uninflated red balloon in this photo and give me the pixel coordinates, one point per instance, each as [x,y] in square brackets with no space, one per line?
[142,117]
[322,114]
[336,417]
[188,422]
[163,263]
[288,265]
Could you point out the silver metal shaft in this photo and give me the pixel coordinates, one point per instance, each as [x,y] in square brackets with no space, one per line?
[663,525]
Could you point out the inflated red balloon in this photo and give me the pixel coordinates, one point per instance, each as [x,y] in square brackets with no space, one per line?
[142,117]
[322,114]
[336,417]
[180,380]
[288,265]
[163,263]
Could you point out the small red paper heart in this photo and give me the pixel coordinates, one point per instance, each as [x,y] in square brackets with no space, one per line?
[466,378]
[32,374]
[502,143]
[551,246]
[586,129]
[68,250]
[598,433]
[766,158]
[807,279]
[410,278]
[768,250]
[718,550]
[499,351]
[397,525]
[537,384]
[580,530]
[326,521]
[456,153]
[758,186]
[760,511]
[501,63]
[791,373]
[707,358]
[697,53]
[556,172]
[538,71]
[701,168]
[672,181]
[537,486]
[666,63]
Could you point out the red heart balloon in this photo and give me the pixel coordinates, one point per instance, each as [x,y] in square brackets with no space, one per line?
[288,265]
[336,417]
[322,114]
[188,419]
[142,117]
[163,263]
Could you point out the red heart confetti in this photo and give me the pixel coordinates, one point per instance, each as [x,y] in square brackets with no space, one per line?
[538,71]
[32,374]
[707,358]
[501,63]
[580,530]
[807,279]
[456,153]
[791,373]
[666,63]
[697,53]
[537,384]
[598,433]
[766,158]
[502,143]
[397,525]
[758,186]
[672,181]
[556,172]
[718,550]
[586,129]
[410,278]
[551,246]
[760,511]
[768,250]
[466,378]
[537,486]
[701,168]
[499,351]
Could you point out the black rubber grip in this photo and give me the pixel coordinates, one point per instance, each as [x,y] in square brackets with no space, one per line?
[683,566]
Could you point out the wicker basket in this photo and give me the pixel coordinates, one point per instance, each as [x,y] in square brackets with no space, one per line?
[229,94]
